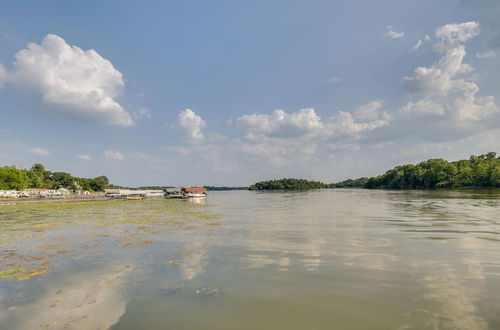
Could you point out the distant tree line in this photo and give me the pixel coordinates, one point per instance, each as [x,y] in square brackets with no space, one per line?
[350,183]
[477,171]
[214,188]
[38,177]
[288,184]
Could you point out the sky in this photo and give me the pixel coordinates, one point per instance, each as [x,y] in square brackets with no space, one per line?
[228,93]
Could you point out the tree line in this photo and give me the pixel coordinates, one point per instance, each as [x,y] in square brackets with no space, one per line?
[217,188]
[288,184]
[38,177]
[477,171]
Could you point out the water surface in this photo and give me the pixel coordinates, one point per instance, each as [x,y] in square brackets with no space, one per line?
[324,259]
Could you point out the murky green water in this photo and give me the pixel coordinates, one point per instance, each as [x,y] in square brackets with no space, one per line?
[330,259]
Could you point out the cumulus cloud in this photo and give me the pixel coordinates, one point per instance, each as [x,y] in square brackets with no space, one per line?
[282,124]
[344,124]
[39,151]
[371,111]
[74,82]
[84,157]
[142,113]
[439,78]
[113,154]
[300,139]
[425,105]
[391,33]
[446,92]
[306,122]
[192,124]
[451,35]
[283,139]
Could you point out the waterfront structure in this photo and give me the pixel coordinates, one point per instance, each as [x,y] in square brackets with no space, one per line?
[194,192]
[12,194]
[173,192]
[130,194]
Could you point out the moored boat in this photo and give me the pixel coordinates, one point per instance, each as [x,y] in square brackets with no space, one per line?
[173,193]
[194,192]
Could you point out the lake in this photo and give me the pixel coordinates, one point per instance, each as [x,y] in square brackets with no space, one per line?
[322,259]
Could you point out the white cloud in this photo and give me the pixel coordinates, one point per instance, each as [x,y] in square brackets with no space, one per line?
[451,35]
[113,154]
[416,46]
[84,157]
[75,83]
[344,124]
[3,75]
[446,92]
[425,105]
[306,123]
[439,78]
[282,124]
[420,43]
[192,124]
[283,139]
[371,111]
[39,151]
[142,113]
[487,54]
[393,34]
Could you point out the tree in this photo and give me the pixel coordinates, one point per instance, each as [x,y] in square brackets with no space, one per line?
[12,178]
[38,177]
[99,183]
[62,180]
[495,177]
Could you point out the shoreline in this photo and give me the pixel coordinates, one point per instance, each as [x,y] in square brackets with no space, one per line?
[30,201]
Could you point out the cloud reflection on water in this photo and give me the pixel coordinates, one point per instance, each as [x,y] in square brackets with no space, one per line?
[87,300]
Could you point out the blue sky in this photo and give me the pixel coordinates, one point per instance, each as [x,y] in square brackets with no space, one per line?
[231,92]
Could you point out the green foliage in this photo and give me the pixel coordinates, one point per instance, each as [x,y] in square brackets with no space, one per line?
[62,180]
[12,178]
[99,183]
[350,183]
[477,171]
[287,184]
[39,177]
